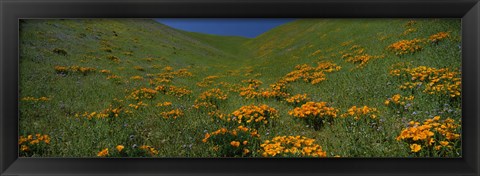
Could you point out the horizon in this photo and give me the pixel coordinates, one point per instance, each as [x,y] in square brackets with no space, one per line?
[240,27]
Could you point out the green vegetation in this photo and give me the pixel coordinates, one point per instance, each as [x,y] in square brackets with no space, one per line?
[143,89]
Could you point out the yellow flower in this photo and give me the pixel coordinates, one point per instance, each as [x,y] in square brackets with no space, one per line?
[24,148]
[103,153]
[444,143]
[415,148]
[120,147]
[235,143]
[36,141]
[206,138]
[432,141]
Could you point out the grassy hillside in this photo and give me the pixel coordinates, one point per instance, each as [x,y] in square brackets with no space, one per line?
[162,92]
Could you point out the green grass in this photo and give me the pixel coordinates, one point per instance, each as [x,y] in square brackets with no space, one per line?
[268,57]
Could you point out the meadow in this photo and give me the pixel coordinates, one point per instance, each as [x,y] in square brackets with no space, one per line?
[308,88]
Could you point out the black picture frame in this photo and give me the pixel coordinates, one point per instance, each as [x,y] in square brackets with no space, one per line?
[13,10]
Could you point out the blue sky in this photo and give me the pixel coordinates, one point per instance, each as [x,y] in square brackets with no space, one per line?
[245,27]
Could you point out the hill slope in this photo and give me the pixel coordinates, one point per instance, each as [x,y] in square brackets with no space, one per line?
[138,67]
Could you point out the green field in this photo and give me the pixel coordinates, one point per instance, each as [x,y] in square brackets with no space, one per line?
[142,89]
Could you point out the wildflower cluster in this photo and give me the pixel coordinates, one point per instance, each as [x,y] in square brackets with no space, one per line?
[207,81]
[148,59]
[213,95]
[105,71]
[113,58]
[136,78]
[142,93]
[155,81]
[357,55]
[359,113]
[138,105]
[178,91]
[33,144]
[315,53]
[122,151]
[272,94]
[229,86]
[362,59]
[210,99]
[219,115]
[254,115]
[435,38]
[292,146]
[149,149]
[314,113]
[117,79]
[409,27]
[346,43]
[327,67]
[441,81]
[35,99]
[399,103]
[313,75]
[110,112]
[139,68]
[73,69]
[409,30]
[240,141]
[164,104]
[148,93]
[434,137]
[248,92]
[173,114]
[61,69]
[251,91]
[168,75]
[255,83]
[297,99]
[275,90]
[406,46]
[106,46]
[410,23]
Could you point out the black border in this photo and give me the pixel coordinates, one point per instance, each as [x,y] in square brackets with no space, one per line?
[12,10]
